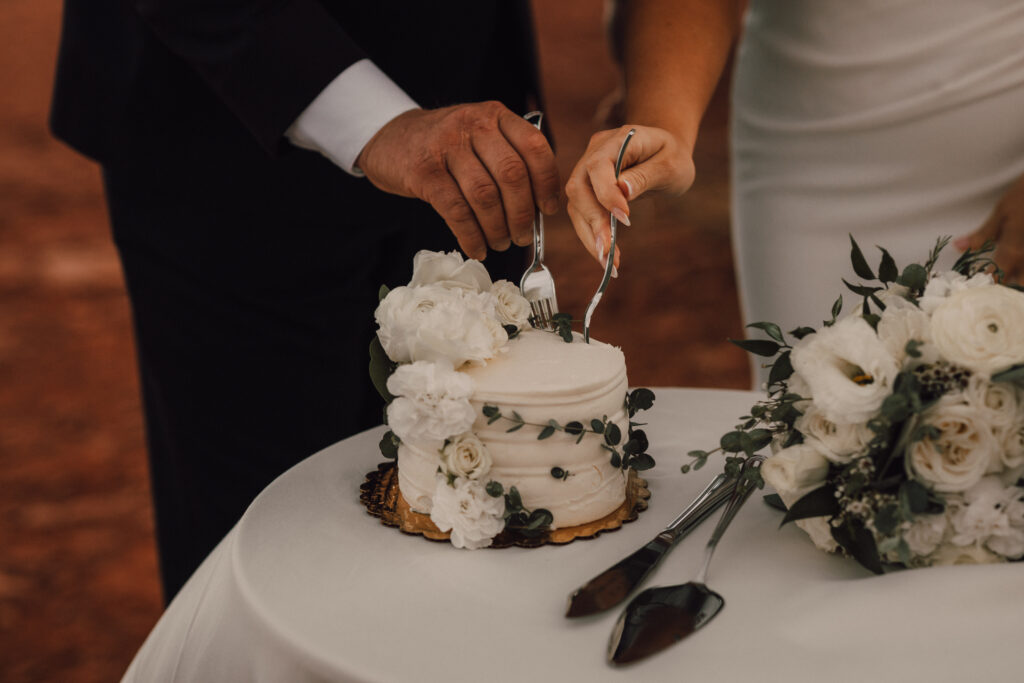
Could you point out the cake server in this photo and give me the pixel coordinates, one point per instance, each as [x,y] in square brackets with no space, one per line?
[662,616]
[611,586]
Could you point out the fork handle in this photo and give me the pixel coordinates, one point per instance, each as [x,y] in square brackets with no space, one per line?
[744,487]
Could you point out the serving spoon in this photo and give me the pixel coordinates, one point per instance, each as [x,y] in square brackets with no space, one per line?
[662,616]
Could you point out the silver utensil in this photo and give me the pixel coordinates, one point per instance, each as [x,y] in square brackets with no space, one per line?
[611,586]
[537,283]
[661,616]
[610,263]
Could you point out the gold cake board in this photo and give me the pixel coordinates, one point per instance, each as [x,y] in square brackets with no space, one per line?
[380,494]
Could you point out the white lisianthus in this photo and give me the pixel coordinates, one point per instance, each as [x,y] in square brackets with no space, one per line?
[1000,403]
[466,456]
[839,443]
[981,329]
[849,370]
[943,284]
[895,297]
[897,326]
[432,401]
[449,270]
[435,323]
[962,453]
[510,305]
[466,509]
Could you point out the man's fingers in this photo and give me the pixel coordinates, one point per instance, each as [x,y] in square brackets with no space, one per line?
[535,151]
[448,200]
[509,170]
[483,195]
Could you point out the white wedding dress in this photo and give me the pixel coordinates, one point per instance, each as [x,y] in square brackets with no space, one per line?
[896,121]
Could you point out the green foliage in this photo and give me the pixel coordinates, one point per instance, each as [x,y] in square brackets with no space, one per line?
[563,326]
[381,368]
[521,521]
[389,445]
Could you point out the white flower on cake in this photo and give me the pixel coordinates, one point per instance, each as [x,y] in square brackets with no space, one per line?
[439,324]
[432,401]
[849,370]
[837,442]
[511,306]
[449,270]
[960,455]
[981,329]
[466,456]
[465,508]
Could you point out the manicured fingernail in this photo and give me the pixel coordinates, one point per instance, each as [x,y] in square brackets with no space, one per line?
[599,245]
[615,271]
[629,190]
[620,216]
[550,207]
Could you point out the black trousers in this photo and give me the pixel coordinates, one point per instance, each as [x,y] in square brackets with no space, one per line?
[253,283]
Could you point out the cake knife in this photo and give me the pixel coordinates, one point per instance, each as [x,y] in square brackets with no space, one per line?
[611,586]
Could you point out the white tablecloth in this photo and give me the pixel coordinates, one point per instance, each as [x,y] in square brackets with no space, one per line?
[308,588]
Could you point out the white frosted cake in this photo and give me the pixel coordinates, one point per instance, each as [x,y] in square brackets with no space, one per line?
[497,425]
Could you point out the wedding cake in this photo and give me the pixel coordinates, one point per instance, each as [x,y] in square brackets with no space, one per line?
[498,426]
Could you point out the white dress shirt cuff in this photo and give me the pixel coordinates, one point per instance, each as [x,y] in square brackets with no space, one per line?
[348,112]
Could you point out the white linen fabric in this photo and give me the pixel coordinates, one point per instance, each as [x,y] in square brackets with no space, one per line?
[308,588]
[896,121]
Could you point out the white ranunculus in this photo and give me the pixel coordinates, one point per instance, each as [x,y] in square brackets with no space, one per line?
[466,509]
[848,369]
[840,443]
[898,326]
[439,324]
[943,284]
[925,534]
[981,329]
[449,270]
[1000,403]
[432,401]
[961,454]
[510,305]
[466,456]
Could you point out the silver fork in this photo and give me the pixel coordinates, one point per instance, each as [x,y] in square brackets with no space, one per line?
[610,263]
[537,283]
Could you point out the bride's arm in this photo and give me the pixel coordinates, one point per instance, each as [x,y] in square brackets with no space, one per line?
[673,53]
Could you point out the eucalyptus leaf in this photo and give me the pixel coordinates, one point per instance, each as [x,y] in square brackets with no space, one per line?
[389,445]
[381,368]
[515,427]
[575,428]
[914,277]
[642,462]
[612,434]
[732,442]
[382,292]
[546,432]
[494,489]
[597,426]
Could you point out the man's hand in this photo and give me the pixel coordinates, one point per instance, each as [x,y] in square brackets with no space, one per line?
[481,166]
[1005,229]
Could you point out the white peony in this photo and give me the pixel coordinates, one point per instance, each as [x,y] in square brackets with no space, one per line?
[840,443]
[961,454]
[449,270]
[432,401]
[510,305]
[898,326]
[466,456]
[848,369]
[1000,404]
[466,509]
[943,284]
[981,329]
[435,323]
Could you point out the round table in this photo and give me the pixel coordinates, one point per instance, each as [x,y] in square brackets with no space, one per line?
[308,587]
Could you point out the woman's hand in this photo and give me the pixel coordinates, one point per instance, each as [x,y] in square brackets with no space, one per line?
[655,161]
[1005,229]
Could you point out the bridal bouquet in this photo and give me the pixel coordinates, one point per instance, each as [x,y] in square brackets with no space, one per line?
[898,429]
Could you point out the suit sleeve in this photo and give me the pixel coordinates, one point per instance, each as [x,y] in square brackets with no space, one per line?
[266,59]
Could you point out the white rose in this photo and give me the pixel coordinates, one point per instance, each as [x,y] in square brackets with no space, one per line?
[962,453]
[949,282]
[465,508]
[848,369]
[511,306]
[435,323]
[432,401]
[898,326]
[981,329]
[794,472]
[1000,404]
[466,456]
[837,442]
[449,270]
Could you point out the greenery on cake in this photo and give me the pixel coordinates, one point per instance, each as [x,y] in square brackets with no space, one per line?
[898,429]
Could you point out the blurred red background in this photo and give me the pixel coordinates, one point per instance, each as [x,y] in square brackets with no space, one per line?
[78,583]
